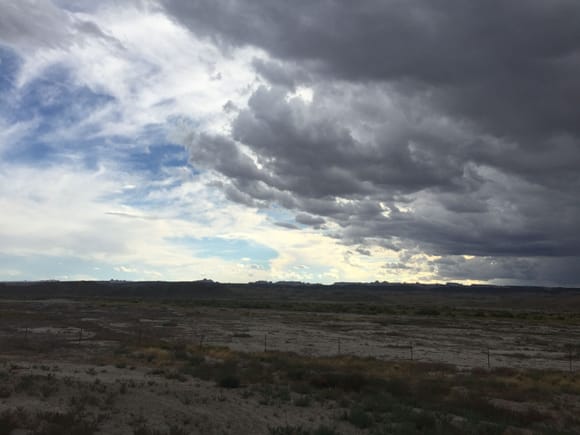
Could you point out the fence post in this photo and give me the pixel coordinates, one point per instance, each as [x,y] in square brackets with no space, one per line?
[265,343]
[411,349]
[80,335]
[488,359]
[339,345]
[201,342]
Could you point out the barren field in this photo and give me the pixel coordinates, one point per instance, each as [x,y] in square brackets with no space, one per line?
[88,366]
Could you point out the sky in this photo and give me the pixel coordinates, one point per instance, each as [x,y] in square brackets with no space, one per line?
[245,140]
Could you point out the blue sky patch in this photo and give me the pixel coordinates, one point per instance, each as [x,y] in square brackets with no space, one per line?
[43,267]
[279,215]
[10,64]
[230,249]
[153,159]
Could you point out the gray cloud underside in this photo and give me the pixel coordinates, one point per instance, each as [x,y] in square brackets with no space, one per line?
[443,125]
[31,25]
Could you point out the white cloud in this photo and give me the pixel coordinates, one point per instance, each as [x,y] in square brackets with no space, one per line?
[28,25]
[156,72]
[66,212]
[11,134]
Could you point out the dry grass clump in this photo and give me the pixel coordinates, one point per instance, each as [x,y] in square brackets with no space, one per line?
[70,422]
[378,397]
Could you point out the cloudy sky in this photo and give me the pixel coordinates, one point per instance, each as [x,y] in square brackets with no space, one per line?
[337,140]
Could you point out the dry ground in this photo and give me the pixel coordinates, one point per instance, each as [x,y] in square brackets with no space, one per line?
[138,367]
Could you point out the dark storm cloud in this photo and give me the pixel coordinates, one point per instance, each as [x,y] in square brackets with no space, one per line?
[485,268]
[286,225]
[363,251]
[280,74]
[309,220]
[447,126]
[222,154]
[487,59]
[506,270]
[298,142]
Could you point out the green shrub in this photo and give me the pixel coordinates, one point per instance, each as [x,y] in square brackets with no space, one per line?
[324,430]
[5,392]
[180,350]
[288,430]
[296,373]
[397,387]
[359,418]
[302,401]
[342,381]
[8,422]
[69,423]
[299,430]
[229,381]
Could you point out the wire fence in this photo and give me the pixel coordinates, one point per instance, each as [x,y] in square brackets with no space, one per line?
[476,354]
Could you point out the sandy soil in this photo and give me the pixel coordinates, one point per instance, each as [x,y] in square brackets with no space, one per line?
[461,342]
[58,355]
[123,399]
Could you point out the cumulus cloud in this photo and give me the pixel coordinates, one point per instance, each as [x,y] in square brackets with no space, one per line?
[306,219]
[398,139]
[443,126]
[462,49]
[508,270]
[409,182]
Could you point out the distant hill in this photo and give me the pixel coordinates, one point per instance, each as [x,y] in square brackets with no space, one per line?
[207,289]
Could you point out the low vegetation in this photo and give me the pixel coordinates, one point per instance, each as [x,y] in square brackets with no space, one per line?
[155,376]
[381,397]
[437,311]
